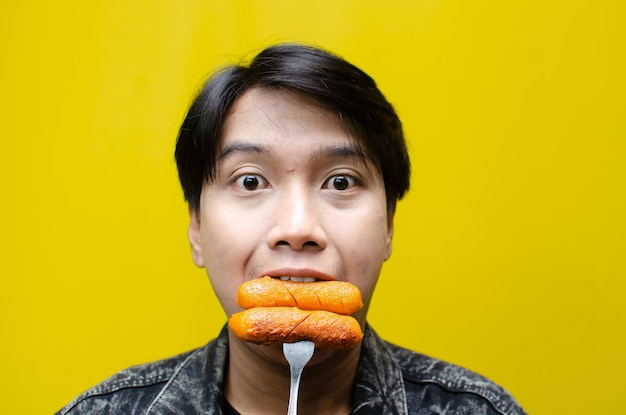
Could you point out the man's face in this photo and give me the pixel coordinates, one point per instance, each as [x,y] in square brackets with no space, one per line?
[292,197]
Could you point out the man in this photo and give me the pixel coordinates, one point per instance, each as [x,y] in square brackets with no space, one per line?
[292,167]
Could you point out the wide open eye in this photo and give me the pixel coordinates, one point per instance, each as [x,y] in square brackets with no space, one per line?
[250,182]
[340,182]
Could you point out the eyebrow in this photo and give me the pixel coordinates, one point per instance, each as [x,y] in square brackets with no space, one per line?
[345,151]
[244,148]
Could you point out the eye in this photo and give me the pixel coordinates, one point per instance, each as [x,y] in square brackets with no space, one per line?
[340,182]
[250,182]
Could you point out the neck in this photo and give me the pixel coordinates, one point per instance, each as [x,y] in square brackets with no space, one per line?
[257,380]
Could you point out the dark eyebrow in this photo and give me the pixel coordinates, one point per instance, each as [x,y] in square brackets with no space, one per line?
[347,151]
[242,147]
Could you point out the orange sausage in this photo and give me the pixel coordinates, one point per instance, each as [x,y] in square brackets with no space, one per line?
[336,296]
[275,325]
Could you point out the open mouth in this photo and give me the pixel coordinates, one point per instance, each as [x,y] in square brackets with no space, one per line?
[297,279]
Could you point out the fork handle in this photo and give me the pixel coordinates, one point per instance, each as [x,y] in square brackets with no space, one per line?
[296,374]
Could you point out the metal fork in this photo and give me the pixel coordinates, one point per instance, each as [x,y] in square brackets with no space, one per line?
[298,355]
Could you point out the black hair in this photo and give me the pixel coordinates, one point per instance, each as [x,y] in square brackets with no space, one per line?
[324,77]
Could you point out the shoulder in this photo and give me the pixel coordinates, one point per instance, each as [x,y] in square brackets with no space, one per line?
[439,382]
[128,390]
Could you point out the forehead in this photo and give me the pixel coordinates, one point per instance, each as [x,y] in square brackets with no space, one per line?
[263,113]
[287,125]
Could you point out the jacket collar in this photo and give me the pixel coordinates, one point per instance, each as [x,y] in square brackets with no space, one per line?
[196,386]
[379,385]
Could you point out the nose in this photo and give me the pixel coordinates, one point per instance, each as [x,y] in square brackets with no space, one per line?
[298,223]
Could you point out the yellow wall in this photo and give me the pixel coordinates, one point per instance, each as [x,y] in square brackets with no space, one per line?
[509,251]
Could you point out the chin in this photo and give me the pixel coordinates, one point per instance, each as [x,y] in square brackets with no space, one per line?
[274,354]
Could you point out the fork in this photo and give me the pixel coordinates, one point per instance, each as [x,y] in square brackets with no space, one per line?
[298,355]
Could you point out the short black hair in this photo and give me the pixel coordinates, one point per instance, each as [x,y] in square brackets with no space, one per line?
[326,78]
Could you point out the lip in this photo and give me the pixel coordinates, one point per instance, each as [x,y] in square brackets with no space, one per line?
[300,272]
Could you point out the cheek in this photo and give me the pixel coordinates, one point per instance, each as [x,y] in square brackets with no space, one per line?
[368,250]
[227,245]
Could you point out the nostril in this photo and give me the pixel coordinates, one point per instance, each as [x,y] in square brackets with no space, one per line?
[296,246]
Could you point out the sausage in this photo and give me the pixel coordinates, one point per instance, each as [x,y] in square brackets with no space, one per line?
[336,296]
[275,325]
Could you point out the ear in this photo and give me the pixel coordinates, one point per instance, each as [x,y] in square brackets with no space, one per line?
[195,238]
[390,215]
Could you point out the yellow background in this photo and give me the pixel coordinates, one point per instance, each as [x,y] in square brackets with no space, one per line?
[509,250]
